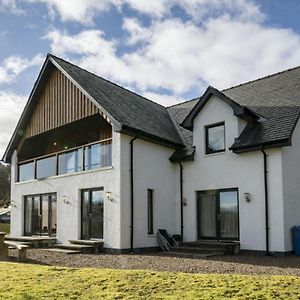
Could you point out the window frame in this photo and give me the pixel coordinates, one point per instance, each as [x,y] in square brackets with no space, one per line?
[207,149]
[150,211]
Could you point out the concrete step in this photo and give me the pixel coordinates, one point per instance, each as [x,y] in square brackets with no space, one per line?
[87,242]
[200,250]
[227,247]
[81,248]
[60,250]
[189,255]
[36,241]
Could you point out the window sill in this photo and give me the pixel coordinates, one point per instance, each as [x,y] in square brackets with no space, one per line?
[65,175]
[151,234]
[213,154]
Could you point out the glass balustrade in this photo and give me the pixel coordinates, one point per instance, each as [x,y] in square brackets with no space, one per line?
[88,157]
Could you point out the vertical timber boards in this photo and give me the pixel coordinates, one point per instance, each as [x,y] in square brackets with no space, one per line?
[60,103]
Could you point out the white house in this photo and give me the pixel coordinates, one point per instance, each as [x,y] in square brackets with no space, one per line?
[92,160]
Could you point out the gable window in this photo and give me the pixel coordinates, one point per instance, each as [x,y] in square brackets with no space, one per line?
[215,138]
[150,212]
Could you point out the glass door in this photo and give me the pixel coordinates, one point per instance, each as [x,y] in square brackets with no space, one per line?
[207,215]
[229,214]
[92,204]
[218,214]
[40,215]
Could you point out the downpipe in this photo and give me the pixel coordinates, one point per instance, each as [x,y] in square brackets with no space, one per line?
[267,227]
[181,202]
[131,194]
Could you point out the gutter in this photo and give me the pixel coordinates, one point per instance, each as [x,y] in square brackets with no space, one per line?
[131,194]
[267,228]
[181,202]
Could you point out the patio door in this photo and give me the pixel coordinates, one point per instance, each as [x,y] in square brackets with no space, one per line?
[218,214]
[92,204]
[40,215]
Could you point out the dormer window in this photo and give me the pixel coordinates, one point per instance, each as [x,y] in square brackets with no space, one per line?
[215,138]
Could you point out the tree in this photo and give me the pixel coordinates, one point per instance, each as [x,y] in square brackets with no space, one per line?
[4,184]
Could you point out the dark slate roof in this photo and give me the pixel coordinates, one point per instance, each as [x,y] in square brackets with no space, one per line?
[135,113]
[276,98]
[179,113]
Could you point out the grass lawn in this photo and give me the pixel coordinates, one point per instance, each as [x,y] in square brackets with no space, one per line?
[4,227]
[25,281]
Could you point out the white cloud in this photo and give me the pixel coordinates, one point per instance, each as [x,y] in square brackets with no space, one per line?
[84,11]
[12,104]
[11,5]
[182,56]
[12,66]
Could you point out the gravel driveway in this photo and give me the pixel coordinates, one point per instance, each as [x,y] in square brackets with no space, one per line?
[239,264]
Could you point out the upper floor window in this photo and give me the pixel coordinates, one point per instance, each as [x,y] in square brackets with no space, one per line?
[87,157]
[215,138]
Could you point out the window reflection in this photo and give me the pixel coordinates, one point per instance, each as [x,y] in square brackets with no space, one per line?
[70,162]
[46,167]
[26,171]
[95,156]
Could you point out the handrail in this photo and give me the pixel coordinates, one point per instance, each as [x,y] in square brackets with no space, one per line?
[62,151]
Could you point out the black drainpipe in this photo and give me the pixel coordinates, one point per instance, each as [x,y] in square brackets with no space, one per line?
[131,194]
[266,201]
[181,202]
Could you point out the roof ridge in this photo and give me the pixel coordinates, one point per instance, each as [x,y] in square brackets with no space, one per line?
[107,80]
[260,78]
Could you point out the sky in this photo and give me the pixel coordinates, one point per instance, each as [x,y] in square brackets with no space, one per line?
[166,50]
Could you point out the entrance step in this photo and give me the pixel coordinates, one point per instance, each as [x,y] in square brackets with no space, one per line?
[199,250]
[60,250]
[97,244]
[188,254]
[212,246]
[33,241]
[81,248]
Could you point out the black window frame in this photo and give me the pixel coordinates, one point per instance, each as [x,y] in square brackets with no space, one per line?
[150,211]
[207,149]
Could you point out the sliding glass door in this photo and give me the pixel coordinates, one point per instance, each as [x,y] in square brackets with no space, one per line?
[40,215]
[92,214]
[217,214]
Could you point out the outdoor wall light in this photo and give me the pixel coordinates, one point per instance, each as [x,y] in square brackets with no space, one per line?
[247,197]
[13,204]
[184,202]
[109,196]
[65,200]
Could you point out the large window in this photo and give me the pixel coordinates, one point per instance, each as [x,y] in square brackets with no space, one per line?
[26,171]
[87,157]
[70,162]
[46,167]
[150,212]
[97,156]
[215,138]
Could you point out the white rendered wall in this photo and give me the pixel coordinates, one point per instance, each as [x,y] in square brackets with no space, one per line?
[229,170]
[291,186]
[152,170]
[68,187]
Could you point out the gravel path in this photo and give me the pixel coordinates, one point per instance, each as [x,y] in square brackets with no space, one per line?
[239,264]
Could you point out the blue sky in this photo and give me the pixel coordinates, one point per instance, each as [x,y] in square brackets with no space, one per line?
[166,50]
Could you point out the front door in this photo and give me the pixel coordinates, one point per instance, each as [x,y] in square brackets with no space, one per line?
[217,214]
[40,215]
[92,214]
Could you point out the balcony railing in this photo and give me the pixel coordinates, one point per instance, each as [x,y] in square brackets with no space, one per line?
[87,157]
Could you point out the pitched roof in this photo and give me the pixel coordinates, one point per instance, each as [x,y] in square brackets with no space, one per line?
[276,98]
[131,113]
[135,113]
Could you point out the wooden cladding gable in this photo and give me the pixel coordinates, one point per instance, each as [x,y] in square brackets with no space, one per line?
[60,103]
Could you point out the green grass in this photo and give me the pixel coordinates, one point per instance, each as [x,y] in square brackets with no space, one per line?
[4,227]
[24,281]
